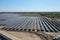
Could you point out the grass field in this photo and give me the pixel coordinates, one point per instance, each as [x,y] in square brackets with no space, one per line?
[48,14]
[31,14]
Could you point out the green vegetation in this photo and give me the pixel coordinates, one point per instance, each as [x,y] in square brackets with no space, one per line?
[54,15]
[31,14]
[48,14]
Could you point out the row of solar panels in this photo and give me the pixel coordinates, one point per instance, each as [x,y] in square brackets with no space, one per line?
[33,24]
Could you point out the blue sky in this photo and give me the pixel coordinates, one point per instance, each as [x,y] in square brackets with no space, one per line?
[29,5]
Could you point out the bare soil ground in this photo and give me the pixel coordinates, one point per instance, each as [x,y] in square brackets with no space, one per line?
[53,34]
[16,35]
[20,35]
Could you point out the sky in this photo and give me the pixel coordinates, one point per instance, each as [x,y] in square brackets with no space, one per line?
[29,5]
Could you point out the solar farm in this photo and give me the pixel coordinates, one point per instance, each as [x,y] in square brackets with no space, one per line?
[36,24]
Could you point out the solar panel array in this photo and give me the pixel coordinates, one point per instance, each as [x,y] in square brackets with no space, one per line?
[28,23]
